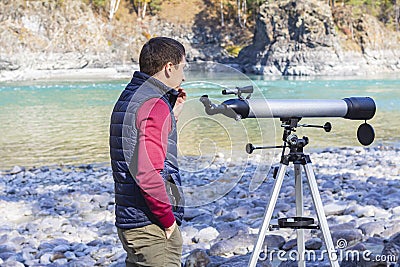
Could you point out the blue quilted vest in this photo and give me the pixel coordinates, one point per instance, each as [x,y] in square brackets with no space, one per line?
[131,210]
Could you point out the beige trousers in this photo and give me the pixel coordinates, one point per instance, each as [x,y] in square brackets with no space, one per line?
[149,246]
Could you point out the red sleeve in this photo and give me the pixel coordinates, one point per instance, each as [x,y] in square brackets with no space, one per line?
[154,123]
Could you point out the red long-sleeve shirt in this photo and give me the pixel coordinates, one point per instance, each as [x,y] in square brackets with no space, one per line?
[154,124]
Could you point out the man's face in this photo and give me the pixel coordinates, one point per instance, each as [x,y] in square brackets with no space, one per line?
[177,75]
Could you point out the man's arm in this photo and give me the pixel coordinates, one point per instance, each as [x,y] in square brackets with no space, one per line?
[154,124]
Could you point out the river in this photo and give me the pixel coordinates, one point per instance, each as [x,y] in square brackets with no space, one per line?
[58,122]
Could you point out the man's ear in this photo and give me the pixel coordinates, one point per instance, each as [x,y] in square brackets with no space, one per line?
[168,69]
[169,66]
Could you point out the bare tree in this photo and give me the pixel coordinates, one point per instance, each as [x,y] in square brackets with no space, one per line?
[144,8]
[114,4]
[222,12]
[397,14]
[238,2]
[244,12]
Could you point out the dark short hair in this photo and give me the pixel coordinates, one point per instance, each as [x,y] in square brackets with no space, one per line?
[157,52]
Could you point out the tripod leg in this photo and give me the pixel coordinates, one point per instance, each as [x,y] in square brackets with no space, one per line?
[299,213]
[321,215]
[267,216]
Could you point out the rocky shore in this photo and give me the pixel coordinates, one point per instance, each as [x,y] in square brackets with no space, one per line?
[63,215]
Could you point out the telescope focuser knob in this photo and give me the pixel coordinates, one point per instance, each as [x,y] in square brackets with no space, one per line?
[327,126]
[250,148]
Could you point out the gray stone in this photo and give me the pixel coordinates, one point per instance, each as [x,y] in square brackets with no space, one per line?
[231,229]
[229,217]
[372,228]
[343,226]
[12,264]
[17,169]
[243,261]
[6,255]
[292,243]
[191,213]
[350,236]
[70,255]
[274,241]
[3,239]
[229,246]
[313,243]
[8,247]
[61,248]
[82,262]
[203,219]
[392,246]
[197,258]
[60,262]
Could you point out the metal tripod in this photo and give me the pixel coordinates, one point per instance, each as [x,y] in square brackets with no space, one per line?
[298,158]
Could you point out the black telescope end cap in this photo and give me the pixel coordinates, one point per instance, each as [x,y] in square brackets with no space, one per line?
[365,134]
[360,108]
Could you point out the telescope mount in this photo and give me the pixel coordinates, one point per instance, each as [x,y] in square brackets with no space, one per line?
[300,160]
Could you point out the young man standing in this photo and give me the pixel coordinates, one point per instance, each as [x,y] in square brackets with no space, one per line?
[143,149]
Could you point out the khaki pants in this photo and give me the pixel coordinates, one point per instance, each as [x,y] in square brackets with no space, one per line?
[149,246]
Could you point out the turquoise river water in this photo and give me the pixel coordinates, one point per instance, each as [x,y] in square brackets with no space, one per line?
[58,122]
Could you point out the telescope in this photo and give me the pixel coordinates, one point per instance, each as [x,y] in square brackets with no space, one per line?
[290,112]
[352,108]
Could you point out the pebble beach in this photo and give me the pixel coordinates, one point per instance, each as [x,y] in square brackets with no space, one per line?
[64,215]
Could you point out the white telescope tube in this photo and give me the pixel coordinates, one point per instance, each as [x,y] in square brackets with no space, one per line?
[353,108]
[288,108]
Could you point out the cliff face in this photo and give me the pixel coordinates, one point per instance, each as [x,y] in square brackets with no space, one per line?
[300,38]
[52,35]
[291,38]
[47,35]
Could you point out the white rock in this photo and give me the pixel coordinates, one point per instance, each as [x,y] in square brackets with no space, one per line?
[334,209]
[366,211]
[207,234]
[396,211]
[45,258]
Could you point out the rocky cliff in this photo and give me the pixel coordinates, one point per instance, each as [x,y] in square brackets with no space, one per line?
[291,38]
[303,38]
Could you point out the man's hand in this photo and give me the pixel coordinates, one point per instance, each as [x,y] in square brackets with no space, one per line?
[170,230]
[179,102]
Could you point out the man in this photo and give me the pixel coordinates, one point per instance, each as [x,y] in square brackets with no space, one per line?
[143,138]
